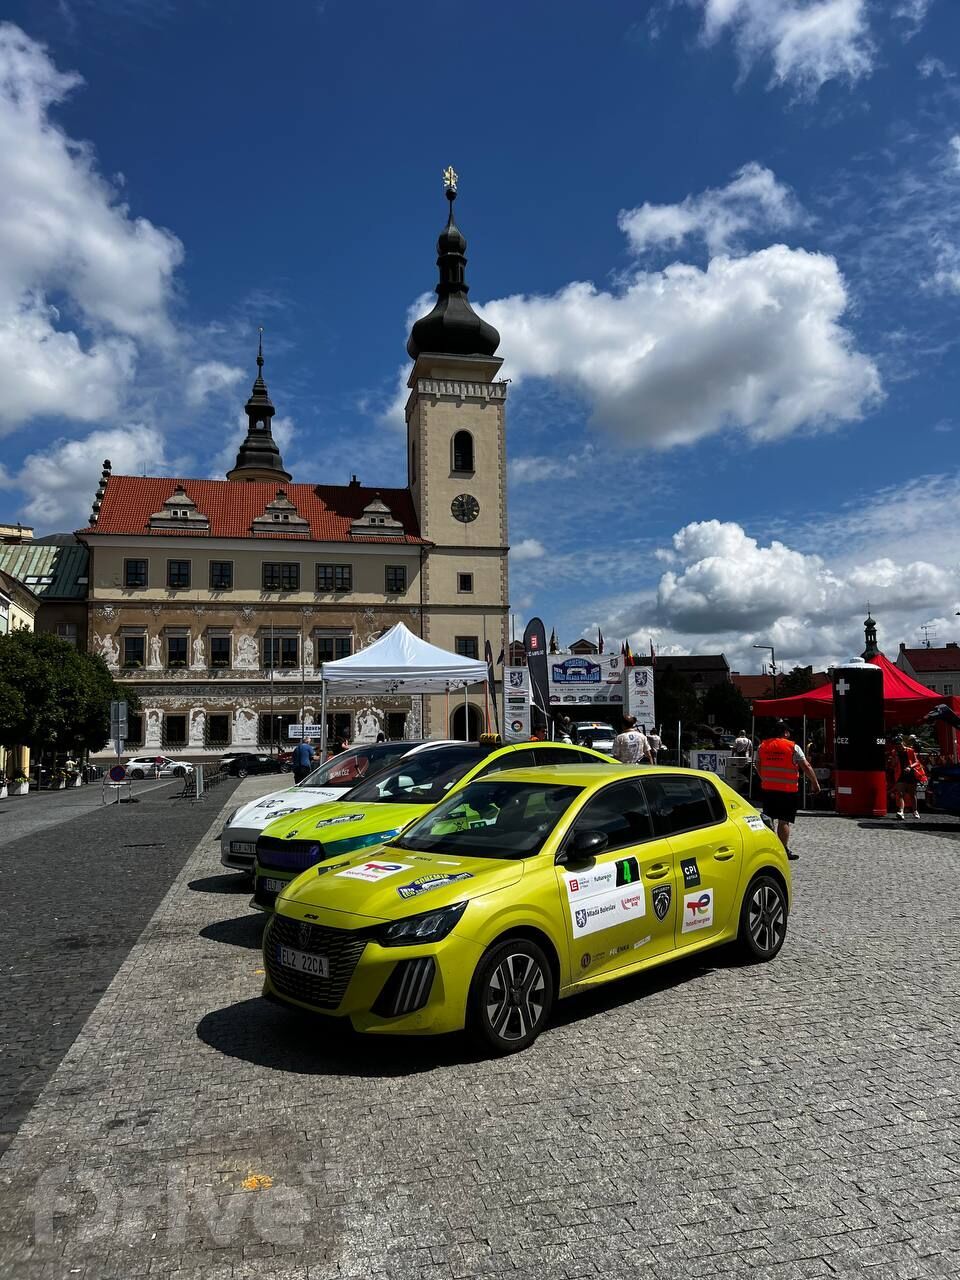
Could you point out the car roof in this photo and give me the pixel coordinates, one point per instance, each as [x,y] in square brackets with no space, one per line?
[592,774]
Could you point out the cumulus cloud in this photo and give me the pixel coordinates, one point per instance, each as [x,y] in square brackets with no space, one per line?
[753,343]
[808,42]
[913,14]
[535,468]
[212,378]
[65,233]
[62,479]
[753,201]
[528,549]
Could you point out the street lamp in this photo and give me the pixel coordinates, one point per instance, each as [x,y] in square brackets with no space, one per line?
[773,663]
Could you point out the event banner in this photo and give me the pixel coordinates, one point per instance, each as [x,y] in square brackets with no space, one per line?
[491,681]
[585,680]
[516,704]
[638,695]
[535,644]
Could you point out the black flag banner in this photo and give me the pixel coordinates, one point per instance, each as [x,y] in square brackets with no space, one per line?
[535,644]
[492,682]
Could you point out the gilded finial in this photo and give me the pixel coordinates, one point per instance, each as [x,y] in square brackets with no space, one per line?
[449,178]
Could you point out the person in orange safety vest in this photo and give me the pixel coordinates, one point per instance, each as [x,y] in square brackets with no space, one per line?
[779,761]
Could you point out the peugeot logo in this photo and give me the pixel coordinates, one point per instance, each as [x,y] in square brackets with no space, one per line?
[303,933]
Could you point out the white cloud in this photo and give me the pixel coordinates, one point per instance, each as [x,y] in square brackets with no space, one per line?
[534,469]
[930,66]
[955,151]
[62,479]
[913,13]
[753,343]
[527,549]
[808,42]
[753,201]
[64,233]
[212,378]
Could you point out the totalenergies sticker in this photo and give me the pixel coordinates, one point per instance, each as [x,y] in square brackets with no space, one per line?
[374,870]
[697,911]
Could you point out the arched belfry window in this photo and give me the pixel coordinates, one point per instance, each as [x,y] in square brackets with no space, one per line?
[463,451]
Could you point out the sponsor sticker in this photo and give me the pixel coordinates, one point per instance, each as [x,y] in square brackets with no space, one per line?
[585,960]
[697,911]
[660,897]
[628,871]
[612,875]
[374,870]
[425,883]
[754,821]
[333,822]
[691,872]
[605,911]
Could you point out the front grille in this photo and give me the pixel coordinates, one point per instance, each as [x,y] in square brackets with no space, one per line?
[262,896]
[342,947]
[407,989]
[288,855]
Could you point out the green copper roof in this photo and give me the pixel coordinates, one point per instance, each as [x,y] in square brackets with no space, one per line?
[51,572]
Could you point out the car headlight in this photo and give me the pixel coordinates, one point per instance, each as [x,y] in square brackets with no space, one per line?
[229,821]
[430,926]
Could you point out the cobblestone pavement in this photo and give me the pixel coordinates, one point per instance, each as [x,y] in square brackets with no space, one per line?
[79,884]
[22,816]
[789,1121]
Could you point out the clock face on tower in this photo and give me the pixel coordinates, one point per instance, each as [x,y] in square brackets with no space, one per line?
[465,507]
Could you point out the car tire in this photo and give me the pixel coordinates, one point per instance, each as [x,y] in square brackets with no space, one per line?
[242,772]
[763,918]
[284,767]
[500,1018]
[136,773]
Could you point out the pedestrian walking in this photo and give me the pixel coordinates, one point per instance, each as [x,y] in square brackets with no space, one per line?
[631,746]
[565,730]
[906,772]
[302,760]
[779,762]
[742,746]
[655,743]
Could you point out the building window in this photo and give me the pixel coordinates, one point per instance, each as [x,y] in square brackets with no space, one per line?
[334,577]
[464,582]
[217,732]
[176,651]
[281,651]
[396,726]
[221,575]
[948,689]
[467,646]
[463,451]
[395,579]
[134,573]
[178,573]
[272,730]
[413,462]
[329,648]
[134,651]
[174,731]
[281,577]
[134,736]
[219,651]
[68,631]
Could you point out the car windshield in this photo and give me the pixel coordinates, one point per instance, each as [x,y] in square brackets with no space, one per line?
[491,819]
[421,779]
[348,768]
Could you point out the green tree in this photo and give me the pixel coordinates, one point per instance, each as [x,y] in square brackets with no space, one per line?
[52,696]
[799,680]
[728,706]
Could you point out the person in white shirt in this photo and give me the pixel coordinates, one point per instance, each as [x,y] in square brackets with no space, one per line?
[655,741]
[631,746]
[742,745]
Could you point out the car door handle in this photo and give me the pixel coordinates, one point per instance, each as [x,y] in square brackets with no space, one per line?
[658,871]
[724,853]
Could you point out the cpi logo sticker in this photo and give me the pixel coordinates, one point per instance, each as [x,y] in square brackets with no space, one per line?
[697,911]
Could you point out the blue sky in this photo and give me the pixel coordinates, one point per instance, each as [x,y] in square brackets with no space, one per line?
[721,242]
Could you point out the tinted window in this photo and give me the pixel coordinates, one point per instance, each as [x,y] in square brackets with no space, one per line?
[681,804]
[422,779]
[350,766]
[620,811]
[557,755]
[491,819]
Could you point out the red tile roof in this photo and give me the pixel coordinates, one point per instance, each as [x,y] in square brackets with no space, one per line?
[946,659]
[231,506]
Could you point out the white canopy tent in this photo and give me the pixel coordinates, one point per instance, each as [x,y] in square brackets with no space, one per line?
[399,662]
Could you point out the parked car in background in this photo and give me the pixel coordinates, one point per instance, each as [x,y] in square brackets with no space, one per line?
[157,766]
[594,733]
[246,762]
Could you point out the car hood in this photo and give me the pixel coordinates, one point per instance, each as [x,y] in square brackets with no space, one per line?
[342,827]
[278,804]
[390,884]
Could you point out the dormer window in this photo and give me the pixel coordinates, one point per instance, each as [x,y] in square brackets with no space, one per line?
[377,519]
[281,511]
[180,510]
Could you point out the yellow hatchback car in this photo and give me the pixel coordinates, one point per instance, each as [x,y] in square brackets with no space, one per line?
[573,876]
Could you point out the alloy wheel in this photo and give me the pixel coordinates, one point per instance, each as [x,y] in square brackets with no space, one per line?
[767,918]
[515,999]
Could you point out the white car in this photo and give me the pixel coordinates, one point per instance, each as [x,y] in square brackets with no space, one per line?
[594,733]
[157,767]
[238,840]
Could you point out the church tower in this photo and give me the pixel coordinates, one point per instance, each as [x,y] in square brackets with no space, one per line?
[258,457]
[456,457]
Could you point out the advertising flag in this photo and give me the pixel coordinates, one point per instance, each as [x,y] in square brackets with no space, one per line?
[535,644]
[491,681]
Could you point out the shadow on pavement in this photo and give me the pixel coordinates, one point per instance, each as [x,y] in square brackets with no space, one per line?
[241,931]
[909,826]
[234,882]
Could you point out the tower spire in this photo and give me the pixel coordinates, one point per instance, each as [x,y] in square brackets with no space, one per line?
[452,327]
[871,648]
[258,457]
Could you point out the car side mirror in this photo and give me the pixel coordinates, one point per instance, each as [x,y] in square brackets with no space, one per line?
[584,848]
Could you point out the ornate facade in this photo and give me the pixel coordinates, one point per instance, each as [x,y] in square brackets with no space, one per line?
[217,600]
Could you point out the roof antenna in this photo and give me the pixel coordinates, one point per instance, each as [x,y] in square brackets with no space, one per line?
[928,629]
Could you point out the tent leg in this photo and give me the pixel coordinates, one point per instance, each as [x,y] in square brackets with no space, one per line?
[803,748]
[466,713]
[753,737]
[323,720]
